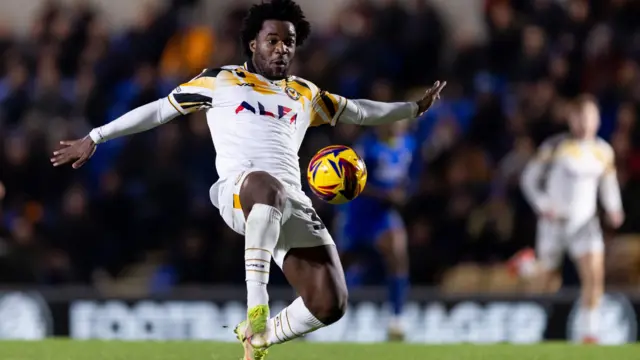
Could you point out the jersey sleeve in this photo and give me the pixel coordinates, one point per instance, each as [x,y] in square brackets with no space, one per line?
[606,154]
[326,108]
[609,187]
[330,108]
[535,171]
[196,94]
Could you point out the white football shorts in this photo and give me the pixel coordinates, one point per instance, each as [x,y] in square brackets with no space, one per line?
[553,238]
[302,227]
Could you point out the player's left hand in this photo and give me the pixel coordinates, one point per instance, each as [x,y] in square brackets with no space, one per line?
[616,219]
[78,151]
[430,97]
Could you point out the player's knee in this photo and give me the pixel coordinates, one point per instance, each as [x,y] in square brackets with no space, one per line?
[327,305]
[329,308]
[260,187]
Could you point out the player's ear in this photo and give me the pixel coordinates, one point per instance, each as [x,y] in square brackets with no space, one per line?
[252,45]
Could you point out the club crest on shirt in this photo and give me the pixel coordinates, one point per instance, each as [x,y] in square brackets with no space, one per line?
[292,93]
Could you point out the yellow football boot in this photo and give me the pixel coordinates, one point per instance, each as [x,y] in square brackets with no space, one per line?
[251,333]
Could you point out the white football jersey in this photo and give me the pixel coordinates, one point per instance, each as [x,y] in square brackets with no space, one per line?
[573,170]
[256,123]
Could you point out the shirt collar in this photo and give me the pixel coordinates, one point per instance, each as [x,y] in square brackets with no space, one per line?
[248,65]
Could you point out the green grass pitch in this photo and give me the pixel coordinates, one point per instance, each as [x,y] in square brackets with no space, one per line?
[96,350]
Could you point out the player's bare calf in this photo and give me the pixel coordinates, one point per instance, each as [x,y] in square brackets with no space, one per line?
[317,276]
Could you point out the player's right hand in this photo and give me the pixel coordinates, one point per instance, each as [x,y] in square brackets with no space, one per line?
[431,95]
[76,151]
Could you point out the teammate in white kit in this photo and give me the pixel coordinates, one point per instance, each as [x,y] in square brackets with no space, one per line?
[258,115]
[573,167]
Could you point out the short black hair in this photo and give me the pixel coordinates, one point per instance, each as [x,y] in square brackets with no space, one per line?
[283,10]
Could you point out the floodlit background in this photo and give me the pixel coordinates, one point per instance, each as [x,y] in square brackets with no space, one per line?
[137,219]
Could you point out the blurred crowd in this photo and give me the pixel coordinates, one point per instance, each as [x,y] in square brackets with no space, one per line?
[144,199]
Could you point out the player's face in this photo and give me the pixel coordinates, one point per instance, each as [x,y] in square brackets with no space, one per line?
[584,122]
[274,48]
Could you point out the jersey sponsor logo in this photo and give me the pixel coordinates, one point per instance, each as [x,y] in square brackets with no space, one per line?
[246,85]
[281,113]
[292,93]
[618,324]
[178,90]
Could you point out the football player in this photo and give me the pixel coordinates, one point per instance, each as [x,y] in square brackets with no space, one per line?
[572,168]
[373,220]
[258,114]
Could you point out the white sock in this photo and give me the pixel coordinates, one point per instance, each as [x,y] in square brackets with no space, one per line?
[590,322]
[256,294]
[292,322]
[261,237]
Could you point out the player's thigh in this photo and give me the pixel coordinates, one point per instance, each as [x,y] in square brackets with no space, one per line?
[260,187]
[549,245]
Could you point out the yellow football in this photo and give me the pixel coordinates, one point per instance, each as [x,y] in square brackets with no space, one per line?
[337,174]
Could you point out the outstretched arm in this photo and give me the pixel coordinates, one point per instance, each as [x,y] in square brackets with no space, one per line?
[372,113]
[187,98]
[330,109]
[141,119]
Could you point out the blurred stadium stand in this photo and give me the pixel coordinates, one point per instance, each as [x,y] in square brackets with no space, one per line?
[138,215]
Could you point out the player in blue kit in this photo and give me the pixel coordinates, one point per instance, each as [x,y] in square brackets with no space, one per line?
[373,221]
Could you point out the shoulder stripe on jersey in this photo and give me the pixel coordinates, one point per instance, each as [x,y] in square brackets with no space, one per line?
[302,84]
[341,111]
[174,105]
[190,100]
[329,104]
